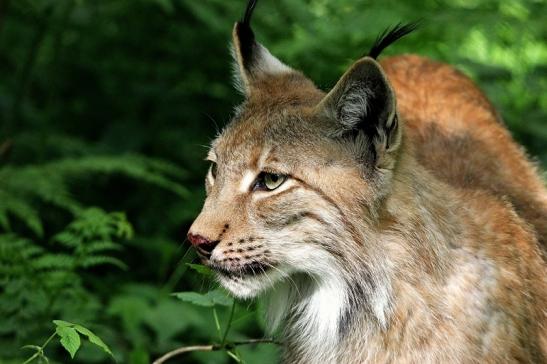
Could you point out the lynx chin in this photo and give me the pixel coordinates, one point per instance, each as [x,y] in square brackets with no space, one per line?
[390,220]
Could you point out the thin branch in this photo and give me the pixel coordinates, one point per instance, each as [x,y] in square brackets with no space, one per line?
[185,349]
[27,68]
[5,147]
[214,347]
[253,341]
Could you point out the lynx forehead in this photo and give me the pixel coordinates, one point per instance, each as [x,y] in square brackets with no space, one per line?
[371,217]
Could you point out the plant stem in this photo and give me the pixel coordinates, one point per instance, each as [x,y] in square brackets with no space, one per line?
[36,354]
[5,147]
[229,324]
[48,340]
[40,350]
[233,356]
[217,323]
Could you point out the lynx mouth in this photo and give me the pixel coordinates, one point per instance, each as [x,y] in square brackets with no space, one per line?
[252,269]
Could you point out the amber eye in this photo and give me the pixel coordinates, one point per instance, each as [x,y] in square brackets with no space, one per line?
[269,181]
[213,169]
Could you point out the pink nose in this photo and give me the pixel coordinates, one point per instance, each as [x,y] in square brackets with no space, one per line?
[202,244]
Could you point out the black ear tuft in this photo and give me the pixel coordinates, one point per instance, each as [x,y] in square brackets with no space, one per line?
[390,36]
[249,13]
[253,60]
[245,34]
[246,43]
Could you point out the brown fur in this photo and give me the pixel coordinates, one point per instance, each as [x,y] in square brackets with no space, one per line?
[460,137]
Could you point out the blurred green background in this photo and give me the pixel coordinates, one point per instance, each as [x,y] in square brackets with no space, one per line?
[106,109]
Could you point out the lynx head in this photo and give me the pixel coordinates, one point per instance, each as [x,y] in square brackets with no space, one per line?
[298,176]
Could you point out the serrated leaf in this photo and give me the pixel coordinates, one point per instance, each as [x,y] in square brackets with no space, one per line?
[94,339]
[194,298]
[69,339]
[220,298]
[201,269]
[209,299]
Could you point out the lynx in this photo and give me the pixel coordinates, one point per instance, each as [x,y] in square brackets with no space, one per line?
[391,220]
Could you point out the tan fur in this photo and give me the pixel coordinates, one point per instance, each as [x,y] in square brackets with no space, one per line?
[430,258]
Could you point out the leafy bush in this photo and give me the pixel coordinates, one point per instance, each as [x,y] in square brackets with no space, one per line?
[44,278]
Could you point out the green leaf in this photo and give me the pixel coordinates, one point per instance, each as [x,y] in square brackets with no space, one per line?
[94,339]
[69,339]
[209,299]
[201,269]
[63,323]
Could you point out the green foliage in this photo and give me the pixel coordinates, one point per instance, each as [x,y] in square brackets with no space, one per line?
[209,299]
[43,259]
[39,281]
[106,106]
[201,269]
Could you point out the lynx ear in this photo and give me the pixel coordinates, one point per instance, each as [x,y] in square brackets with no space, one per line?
[253,60]
[363,106]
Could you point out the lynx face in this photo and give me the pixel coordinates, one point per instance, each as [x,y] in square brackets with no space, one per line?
[295,175]
[271,209]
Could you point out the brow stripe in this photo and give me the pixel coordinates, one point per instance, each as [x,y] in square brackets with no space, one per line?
[284,192]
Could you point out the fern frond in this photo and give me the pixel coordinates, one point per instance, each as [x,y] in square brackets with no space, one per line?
[140,168]
[68,239]
[95,223]
[15,252]
[24,211]
[96,260]
[101,246]
[54,261]
[38,182]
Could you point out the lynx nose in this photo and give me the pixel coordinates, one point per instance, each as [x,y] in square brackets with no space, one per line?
[203,245]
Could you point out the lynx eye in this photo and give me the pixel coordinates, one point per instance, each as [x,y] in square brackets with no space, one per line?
[269,181]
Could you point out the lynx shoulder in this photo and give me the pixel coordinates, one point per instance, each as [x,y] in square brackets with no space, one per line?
[392,219]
